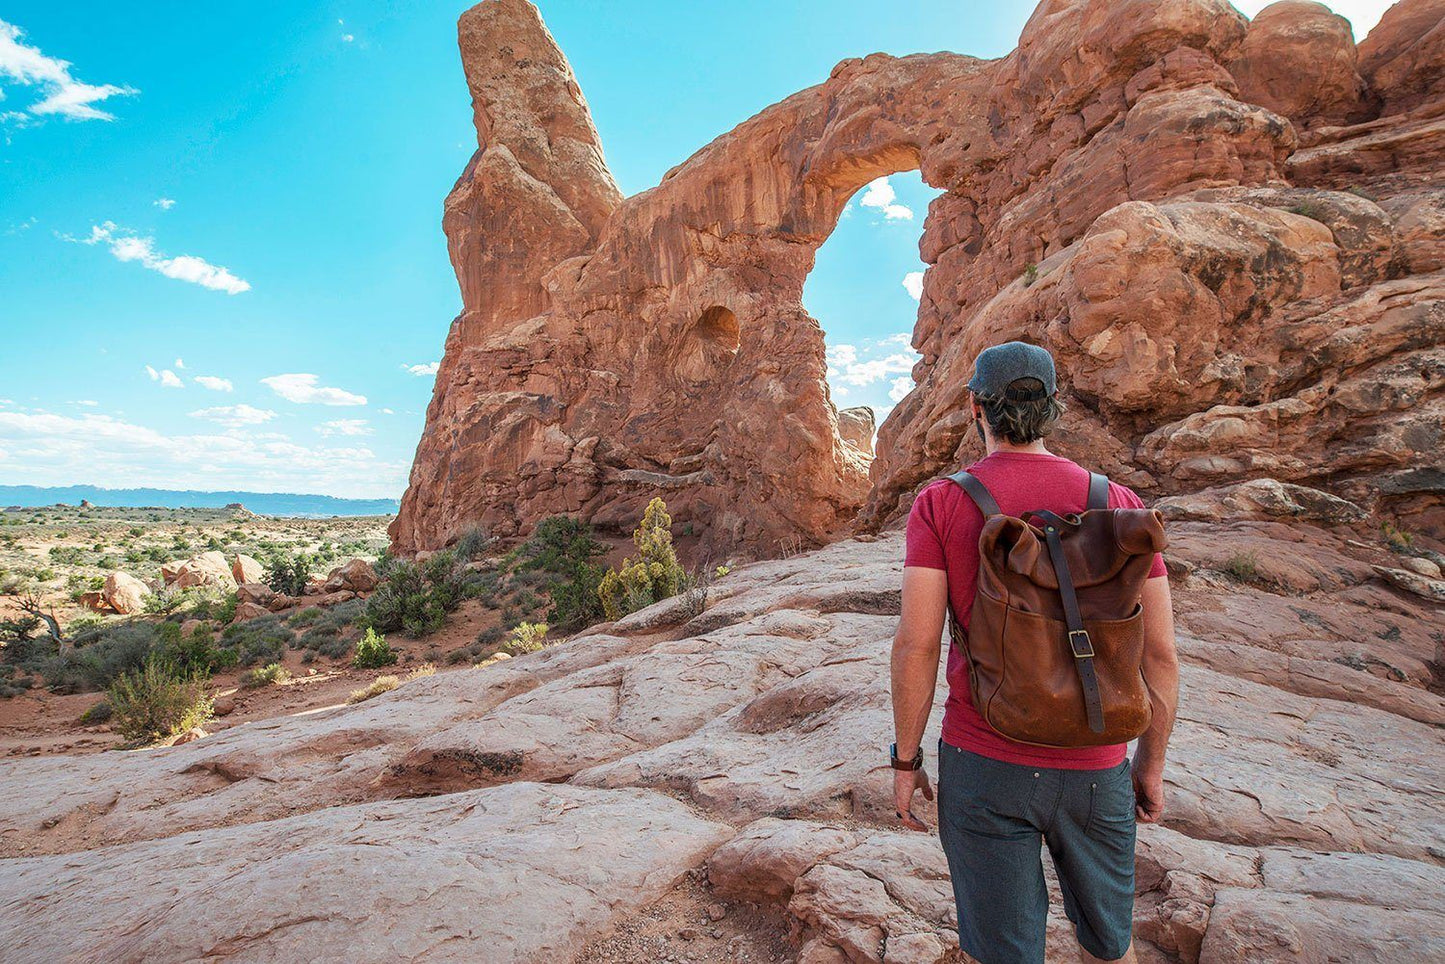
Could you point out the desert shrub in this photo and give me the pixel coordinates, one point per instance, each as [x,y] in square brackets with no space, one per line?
[304,617]
[288,573]
[260,640]
[416,597]
[196,654]
[1399,539]
[561,550]
[490,635]
[334,648]
[473,544]
[210,603]
[1242,567]
[65,555]
[99,657]
[164,601]
[382,684]
[372,650]
[96,714]
[1311,210]
[156,701]
[425,669]
[458,656]
[272,674]
[1031,274]
[654,574]
[21,629]
[527,638]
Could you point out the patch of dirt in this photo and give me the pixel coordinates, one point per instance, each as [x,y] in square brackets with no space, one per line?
[691,924]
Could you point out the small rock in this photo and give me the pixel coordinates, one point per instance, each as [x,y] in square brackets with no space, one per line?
[194,733]
[224,705]
[689,933]
[1424,567]
[716,912]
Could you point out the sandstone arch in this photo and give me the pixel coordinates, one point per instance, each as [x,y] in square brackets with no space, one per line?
[1109,189]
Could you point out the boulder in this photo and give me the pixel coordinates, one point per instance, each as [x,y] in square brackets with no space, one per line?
[1298,59]
[356,576]
[256,592]
[244,568]
[249,610]
[207,569]
[92,600]
[125,593]
[856,427]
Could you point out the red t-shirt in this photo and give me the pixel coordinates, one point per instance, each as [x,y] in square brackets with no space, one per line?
[943,531]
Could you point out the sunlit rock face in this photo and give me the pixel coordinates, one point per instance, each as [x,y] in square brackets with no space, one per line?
[1228,232]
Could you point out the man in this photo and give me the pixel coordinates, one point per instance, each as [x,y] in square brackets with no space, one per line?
[998,799]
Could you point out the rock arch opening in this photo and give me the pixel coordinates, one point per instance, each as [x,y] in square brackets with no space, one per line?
[864,291]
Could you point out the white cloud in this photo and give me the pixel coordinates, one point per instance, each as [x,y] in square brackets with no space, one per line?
[167,378]
[387,411]
[879,194]
[86,402]
[841,354]
[47,449]
[345,426]
[301,388]
[901,387]
[426,368]
[913,284]
[903,339]
[876,369]
[347,38]
[213,383]
[180,364]
[164,203]
[128,246]
[235,415]
[60,92]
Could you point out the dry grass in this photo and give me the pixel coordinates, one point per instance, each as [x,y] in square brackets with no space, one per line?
[382,684]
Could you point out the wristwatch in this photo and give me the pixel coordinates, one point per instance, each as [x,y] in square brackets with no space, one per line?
[914,764]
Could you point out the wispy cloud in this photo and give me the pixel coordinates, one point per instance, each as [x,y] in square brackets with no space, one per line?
[213,383]
[901,387]
[302,388]
[345,426]
[879,195]
[164,203]
[235,415]
[426,368]
[167,378]
[126,245]
[49,449]
[60,93]
[913,284]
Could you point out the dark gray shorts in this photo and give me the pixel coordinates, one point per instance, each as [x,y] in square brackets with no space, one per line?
[992,817]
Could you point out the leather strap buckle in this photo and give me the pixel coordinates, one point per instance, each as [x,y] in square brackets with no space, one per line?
[1084,651]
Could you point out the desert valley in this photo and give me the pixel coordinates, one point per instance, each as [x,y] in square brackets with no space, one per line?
[613,683]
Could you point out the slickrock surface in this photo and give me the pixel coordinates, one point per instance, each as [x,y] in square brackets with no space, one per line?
[516,812]
[1230,233]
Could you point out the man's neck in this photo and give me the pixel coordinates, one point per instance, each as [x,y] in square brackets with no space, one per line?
[1033,448]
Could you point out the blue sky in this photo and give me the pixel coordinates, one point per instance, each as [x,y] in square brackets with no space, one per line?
[221,259]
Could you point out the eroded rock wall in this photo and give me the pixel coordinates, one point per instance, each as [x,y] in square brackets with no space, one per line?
[1229,233]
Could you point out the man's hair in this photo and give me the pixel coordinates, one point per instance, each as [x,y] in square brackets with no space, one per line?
[1021,422]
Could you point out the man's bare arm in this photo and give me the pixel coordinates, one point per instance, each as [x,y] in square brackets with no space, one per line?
[1161,676]
[916,648]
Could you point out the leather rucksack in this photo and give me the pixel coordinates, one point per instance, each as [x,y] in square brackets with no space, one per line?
[1055,641]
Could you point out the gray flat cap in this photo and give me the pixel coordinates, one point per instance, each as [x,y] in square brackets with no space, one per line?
[996,367]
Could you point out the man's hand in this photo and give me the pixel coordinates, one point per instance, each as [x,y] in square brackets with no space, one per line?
[905,783]
[1148,791]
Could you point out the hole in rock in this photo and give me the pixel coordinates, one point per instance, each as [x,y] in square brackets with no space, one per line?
[713,342]
[864,289]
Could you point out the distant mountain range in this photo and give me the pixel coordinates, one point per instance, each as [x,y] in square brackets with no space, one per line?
[262,503]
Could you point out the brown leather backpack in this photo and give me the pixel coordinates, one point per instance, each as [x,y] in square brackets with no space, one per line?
[1056,638]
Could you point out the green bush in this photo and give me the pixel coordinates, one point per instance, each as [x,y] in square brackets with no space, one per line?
[527,638]
[196,654]
[416,597]
[654,574]
[157,701]
[372,650]
[288,574]
[561,550]
[272,674]
[472,545]
[99,657]
[96,714]
[260,640]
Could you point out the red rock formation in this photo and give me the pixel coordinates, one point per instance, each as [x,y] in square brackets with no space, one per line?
[1213,322]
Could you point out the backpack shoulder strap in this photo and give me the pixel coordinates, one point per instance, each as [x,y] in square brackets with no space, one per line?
[978,492]
[1098,492]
